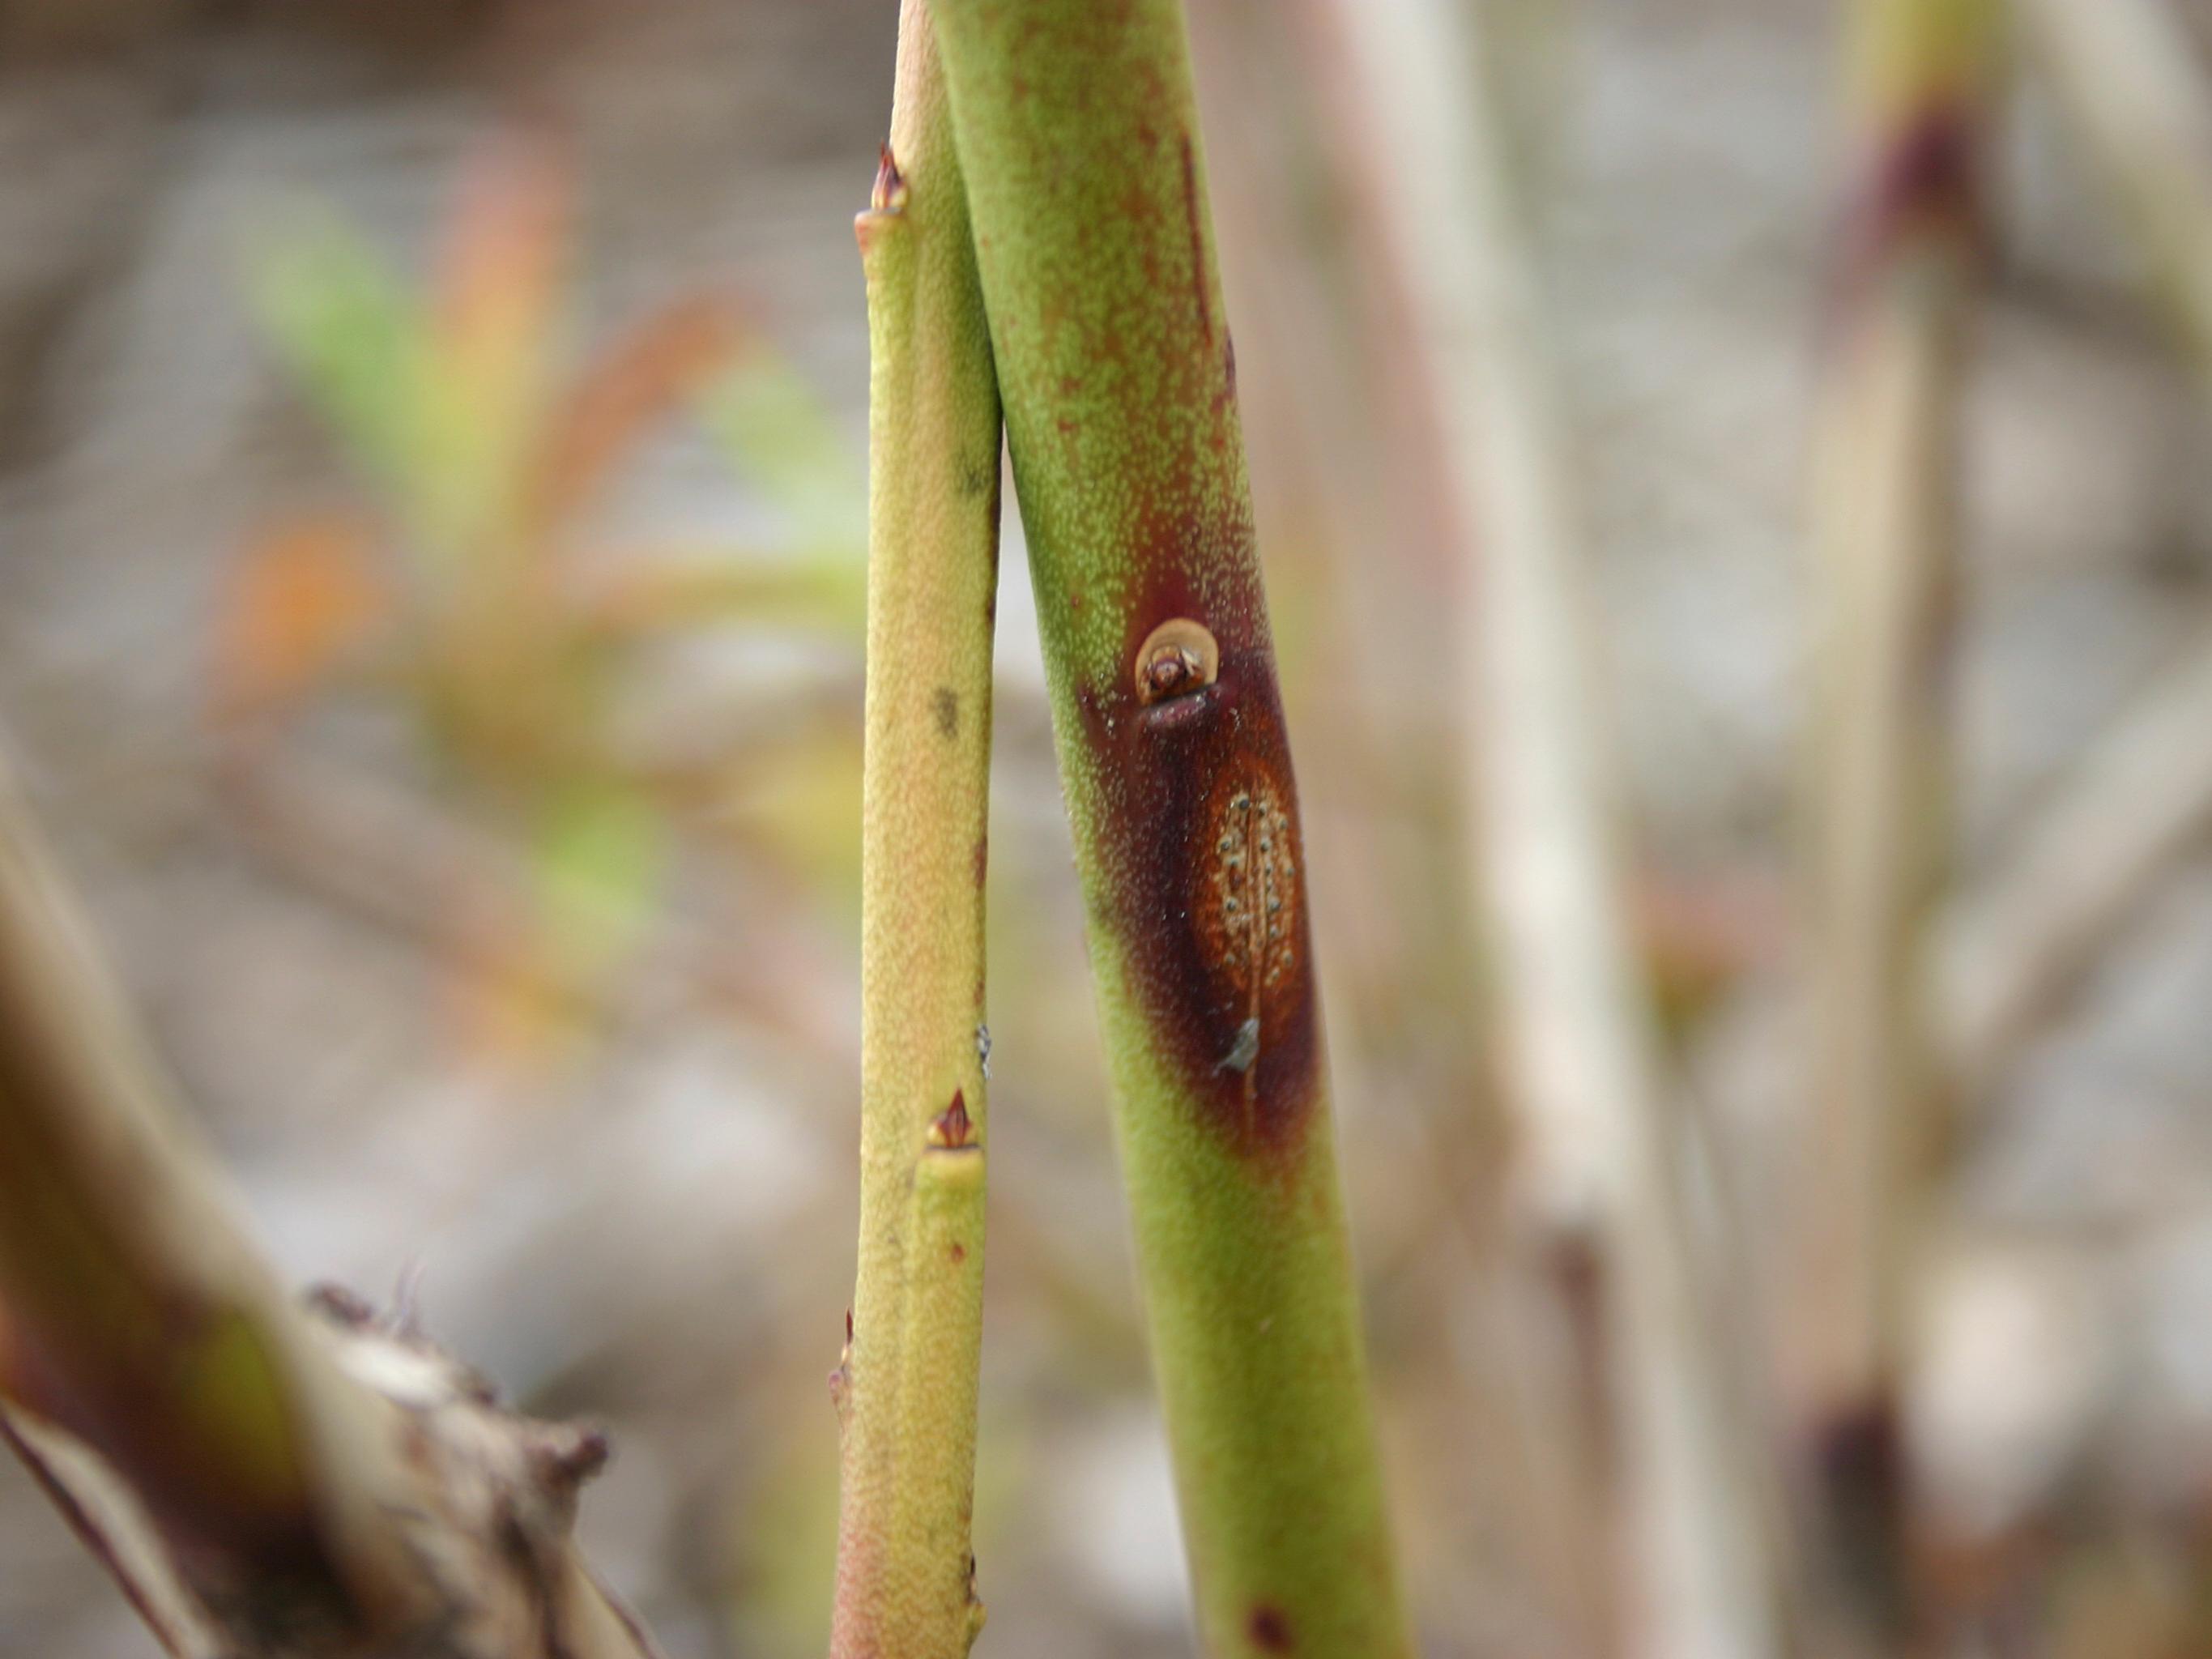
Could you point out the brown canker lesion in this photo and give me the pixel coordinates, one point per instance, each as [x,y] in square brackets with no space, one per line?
[1203,886]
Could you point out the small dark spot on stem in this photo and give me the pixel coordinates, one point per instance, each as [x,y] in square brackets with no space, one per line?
[959,1253]
[1270,1629]
[944,704]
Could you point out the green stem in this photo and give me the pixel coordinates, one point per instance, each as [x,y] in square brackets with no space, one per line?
[1885,511]
[908,1386]
[1078,139]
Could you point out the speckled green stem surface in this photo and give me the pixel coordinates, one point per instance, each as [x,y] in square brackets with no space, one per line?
[1079,141]
[907,1387]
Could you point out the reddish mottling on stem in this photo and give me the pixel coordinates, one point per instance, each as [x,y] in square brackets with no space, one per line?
[1270,1629]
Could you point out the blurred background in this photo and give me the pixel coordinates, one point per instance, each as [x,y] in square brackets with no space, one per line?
[484,854]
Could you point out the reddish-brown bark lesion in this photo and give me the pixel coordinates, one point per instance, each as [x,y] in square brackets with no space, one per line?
[1205,869]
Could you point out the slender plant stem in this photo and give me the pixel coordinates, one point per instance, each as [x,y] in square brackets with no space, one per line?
[2126,72]
[1078,138]
[268,1481]
[907,1387]
[1605,1170]
[2128,75]
[2126,812]
[1885,523]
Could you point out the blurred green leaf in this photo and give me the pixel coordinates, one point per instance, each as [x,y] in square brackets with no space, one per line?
[597,862]
[775,431]
[352,337]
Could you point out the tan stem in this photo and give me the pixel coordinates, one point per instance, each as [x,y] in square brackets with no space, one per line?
[1605,1159]
[2009,948]
[1885,524]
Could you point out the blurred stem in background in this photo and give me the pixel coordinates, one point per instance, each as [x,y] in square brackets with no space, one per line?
[1920,80]
[1078,139]
[257,1480]
[2127,74]
[907,1387]
[1407,82]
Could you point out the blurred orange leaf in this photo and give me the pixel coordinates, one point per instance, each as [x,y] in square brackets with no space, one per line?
[638,380]
[300,597]
[503,273]
[498,296]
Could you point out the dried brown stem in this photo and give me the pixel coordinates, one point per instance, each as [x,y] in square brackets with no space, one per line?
[263,1482]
